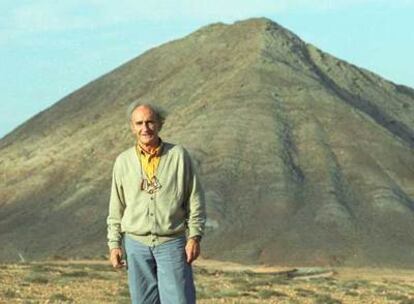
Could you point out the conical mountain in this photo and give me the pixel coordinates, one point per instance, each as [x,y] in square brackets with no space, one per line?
[305,159]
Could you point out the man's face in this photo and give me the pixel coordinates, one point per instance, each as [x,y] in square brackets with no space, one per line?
[145,126]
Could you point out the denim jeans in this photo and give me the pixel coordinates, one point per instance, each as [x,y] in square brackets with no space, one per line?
[159,274]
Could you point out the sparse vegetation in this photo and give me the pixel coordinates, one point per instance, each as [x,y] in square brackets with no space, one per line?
[301,292]
[75,274]
[96,282]
[351,293]
[59,298]
[326,299]
[396,297]
[36,278]
[9,293]
[269,293]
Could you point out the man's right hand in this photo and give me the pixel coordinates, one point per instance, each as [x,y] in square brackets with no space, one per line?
[116,258]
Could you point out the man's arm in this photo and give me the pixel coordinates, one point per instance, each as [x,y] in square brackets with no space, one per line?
[116,211]
[196,211]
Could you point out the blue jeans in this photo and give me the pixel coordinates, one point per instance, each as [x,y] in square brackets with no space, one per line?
[159,274]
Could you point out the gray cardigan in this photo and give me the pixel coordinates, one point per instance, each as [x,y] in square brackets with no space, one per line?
[155,218]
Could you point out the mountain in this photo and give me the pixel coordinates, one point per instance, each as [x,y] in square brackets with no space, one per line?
[305,158]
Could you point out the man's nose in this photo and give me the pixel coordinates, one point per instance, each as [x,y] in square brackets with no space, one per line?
[145,126]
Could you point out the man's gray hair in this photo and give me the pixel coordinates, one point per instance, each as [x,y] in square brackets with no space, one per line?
[160,113]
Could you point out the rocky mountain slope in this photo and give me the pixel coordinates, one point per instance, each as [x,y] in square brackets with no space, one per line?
[304,158]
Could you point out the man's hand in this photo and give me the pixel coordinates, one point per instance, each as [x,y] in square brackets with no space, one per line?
[116,258]
[192,250]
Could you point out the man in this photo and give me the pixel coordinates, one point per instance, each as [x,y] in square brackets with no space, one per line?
[157,209]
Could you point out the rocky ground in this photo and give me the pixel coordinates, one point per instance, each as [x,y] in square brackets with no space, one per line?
[217,282]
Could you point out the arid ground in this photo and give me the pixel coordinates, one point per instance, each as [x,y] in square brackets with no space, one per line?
[217,282]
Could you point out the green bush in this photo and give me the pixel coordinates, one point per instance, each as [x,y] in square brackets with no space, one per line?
[9,293]
[59,298]
[36,278]
[326,299]
[268,293]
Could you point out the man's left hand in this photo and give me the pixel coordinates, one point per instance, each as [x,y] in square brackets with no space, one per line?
[192,250]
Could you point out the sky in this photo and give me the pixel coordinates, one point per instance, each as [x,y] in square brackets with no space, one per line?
[50,48]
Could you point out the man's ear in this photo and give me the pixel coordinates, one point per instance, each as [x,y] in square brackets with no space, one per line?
[131,127]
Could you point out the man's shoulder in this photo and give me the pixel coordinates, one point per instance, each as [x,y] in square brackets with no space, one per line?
[173,149]
[125,155]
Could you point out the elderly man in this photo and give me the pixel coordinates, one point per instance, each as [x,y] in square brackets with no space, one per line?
[157,209]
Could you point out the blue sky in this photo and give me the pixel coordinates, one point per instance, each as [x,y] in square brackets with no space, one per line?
[50,48]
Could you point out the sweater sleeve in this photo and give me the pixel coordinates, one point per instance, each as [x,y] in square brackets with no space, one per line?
[116,209]
[196,202]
